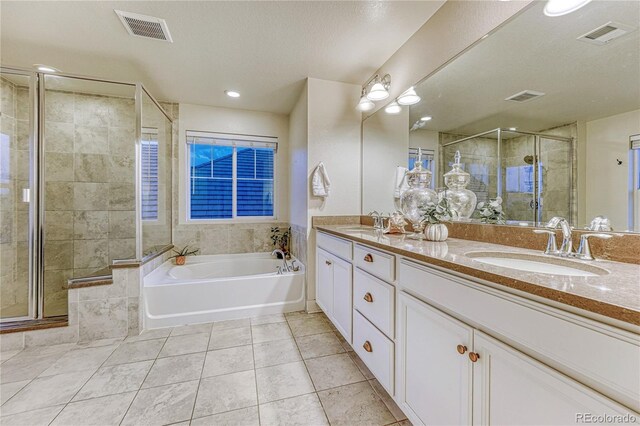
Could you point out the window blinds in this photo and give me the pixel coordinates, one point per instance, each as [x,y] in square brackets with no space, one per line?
[227,139]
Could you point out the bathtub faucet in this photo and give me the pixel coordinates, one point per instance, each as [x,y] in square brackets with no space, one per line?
[285,265]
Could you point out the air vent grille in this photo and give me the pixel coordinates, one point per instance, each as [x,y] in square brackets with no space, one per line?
[606,33]
[145,26]
[524,96]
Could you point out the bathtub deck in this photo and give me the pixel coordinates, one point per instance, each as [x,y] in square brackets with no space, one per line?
[271,370]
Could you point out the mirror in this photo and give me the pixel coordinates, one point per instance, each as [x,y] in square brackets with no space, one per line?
[543,111]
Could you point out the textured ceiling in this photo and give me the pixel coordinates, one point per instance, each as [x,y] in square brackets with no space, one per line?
[262,49]
[582,81]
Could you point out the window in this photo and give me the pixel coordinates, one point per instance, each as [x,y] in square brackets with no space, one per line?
[149,158]
[230,177]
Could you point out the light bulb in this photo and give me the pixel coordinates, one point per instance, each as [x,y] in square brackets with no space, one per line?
[377,92]
[232,93]
[393,108]
[425,118]
[409,97]
[563,7]
[365,104]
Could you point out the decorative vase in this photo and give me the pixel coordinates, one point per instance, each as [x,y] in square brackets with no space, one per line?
[181,260]
[436,232]
[461,200]
[415,199]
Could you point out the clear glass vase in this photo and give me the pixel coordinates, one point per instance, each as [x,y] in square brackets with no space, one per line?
[414,200]
[461,200]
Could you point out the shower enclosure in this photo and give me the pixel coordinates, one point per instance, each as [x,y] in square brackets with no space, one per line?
[531,172]
[85,183]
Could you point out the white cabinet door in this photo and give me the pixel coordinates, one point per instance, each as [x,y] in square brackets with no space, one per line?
[342,297]
[435,384]
[324,281]
[511,388]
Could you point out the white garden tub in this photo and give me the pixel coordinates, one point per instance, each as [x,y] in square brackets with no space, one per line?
[220,287]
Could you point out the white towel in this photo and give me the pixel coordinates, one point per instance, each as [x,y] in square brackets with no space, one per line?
[401,182]
[320,182]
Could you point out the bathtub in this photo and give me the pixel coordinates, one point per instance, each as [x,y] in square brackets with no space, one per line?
[220,287]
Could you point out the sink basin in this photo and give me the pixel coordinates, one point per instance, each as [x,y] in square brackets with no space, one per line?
[538,264]
[356,228]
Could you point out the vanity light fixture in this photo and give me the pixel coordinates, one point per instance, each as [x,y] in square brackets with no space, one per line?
[45,68]
[562,7]
[393,108]
[409,97]
[426,118]
[232,93]
[380,89]
[365,103]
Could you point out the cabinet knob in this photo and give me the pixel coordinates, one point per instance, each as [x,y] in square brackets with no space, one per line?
[368,297]
[367,346]
[474,356]
[327,262]
[368,258]
[461,349]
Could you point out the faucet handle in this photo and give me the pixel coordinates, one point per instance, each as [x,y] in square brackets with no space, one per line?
[552,246]
[584,250]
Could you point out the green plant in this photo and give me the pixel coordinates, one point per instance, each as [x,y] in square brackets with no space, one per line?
[185,251]
[280,239]
[439,212]
[491,211]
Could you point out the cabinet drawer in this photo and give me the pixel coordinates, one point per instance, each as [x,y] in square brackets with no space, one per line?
[375,299]
[334,245]
[377,263]
[379,352]
[578,347]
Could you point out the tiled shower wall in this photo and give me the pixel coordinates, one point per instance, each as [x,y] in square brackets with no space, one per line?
[89,188]
[14,175]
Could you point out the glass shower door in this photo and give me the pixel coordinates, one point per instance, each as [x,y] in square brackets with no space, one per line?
[518,176]
[16,194]
[555,160]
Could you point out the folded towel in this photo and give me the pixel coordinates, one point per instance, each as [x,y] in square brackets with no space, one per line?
[401,184]
[320,182]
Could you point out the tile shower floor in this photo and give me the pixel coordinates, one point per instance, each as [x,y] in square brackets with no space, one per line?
[292,369]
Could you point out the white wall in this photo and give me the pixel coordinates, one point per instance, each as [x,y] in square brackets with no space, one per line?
[298,163]
[237,121]
[607,140]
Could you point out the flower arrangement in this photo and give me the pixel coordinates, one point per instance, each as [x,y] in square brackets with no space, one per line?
[433,215]
[280,239]
[181,255]
[491,211]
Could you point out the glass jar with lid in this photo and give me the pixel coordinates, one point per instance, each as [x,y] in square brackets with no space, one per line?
[414,200]
[461,200]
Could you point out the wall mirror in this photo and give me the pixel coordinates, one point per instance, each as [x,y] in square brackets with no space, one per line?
[545,113]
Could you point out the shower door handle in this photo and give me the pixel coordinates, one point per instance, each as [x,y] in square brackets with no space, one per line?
[533,204]
[26,195]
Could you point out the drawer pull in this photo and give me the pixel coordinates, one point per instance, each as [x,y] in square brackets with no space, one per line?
[368,258]
[368,297]
[367,346]
[474,356]
[462,349]
[327,262]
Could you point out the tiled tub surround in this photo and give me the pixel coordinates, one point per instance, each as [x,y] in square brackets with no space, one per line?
[273,370]
[615,296]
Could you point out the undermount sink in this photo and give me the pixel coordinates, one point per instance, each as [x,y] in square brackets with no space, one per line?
[538,264]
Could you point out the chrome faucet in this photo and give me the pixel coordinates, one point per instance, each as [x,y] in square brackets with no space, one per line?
[584,250]
[285,265]
[567,244]
[378,220]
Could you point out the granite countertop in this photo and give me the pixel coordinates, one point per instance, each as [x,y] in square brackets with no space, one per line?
[615,294]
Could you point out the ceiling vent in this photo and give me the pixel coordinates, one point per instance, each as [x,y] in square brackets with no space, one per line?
[524,96]
[606,33]
[145,26]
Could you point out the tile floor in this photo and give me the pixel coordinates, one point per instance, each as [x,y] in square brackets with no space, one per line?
[292,369]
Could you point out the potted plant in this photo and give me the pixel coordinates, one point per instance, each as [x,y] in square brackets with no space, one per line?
[434,214]
[181,255]
[491,211]
[280,239]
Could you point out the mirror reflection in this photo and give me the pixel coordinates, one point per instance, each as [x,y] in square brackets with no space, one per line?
[543,112]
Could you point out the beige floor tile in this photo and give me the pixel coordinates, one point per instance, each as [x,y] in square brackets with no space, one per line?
[268,319]
[103,411]
[7,355]
[7,390]
[308,325]
[80,359]
[226,393]
[180,345]
[388,401]
[135,351]
[231,337]
[175,369]
[269,332]
[347,347]
[159,333]
[162,405]
[192,329]
[242,417]
[276,352]
[354,405]
[114,379]
[229,324]
[317,345]
[405,423]
[28,365]
[361,366]
[301,410]
[283,381]
[229,360]
[333,371]
[40,417]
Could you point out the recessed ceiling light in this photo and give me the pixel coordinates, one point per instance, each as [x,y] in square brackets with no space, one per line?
[44,68]
[513,129]
[426,118]
[232,93]
[563,7]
